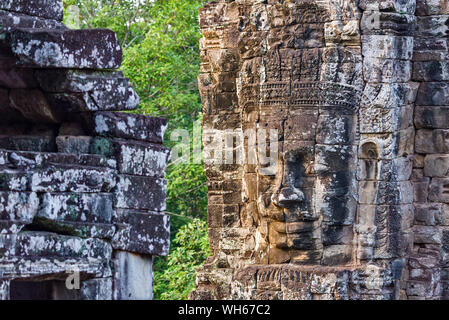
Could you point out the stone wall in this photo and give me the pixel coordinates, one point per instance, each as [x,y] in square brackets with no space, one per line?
[356,205]
[429,262]
[82,188]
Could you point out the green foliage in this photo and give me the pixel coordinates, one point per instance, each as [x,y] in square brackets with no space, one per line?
[191,248]
[165,66]
[160,41]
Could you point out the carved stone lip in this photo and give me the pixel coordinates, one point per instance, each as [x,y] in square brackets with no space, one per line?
[295,214]
[294,227]
[323,270]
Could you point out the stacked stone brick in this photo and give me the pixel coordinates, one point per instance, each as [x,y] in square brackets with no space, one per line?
[429,262]
[372,226]
[385,209]
[82,188]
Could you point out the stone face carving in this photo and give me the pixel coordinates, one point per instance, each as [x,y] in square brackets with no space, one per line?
[82,188]
[307,85]
[353,205]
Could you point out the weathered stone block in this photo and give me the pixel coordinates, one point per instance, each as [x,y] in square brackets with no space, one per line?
[134,277]
[29,129]
[421,190]
[428,214]
[399,6]
[223,60]
[73,102]
[43,244]
[444,218]
[399,169]
[387,23]
[58,202]
[146,193]
[215,216]
[432,141]
[418,175]
[307,122]
[142,232]
[303,257]
[103,146]
[338,210]
[73,144]
[76,90]
[4,290]
[439,190]
[390,245]
[432,117]
[431,71]
[330,158]
[17,209]
[93,289]
[84,215]
[40,160]
[375,119]
[51,9]
[77,207]
[11,20]
[392,145]
[399,217]
[77,49]
[21,253]
[142,159]
[389,95]
[431,7]
[72,179]
[433,26]
[393,193]
[14,180]
[335,129]
[371,281]
[386,70]
[436,165]
[94,101]
[387,47]
[433,94]
[418,161]
[96,289]
[337,235]
[337,72]
[231,217]
[430,49]
[127,126]
[421,275]
[427,234]
[77,229]
[28,143]
[337,255]
[419,288]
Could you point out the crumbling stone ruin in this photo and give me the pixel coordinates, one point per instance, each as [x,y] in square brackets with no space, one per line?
[358,206]
[82,189]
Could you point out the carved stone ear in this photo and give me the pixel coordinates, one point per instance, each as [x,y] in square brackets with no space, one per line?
[369,150]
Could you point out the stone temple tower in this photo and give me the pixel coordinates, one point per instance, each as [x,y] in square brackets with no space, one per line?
[82,188]
[355,204]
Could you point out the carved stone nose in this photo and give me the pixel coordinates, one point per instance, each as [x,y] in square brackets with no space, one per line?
[288,197]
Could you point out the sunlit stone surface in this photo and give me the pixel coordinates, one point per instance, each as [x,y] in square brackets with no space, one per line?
[355,204]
